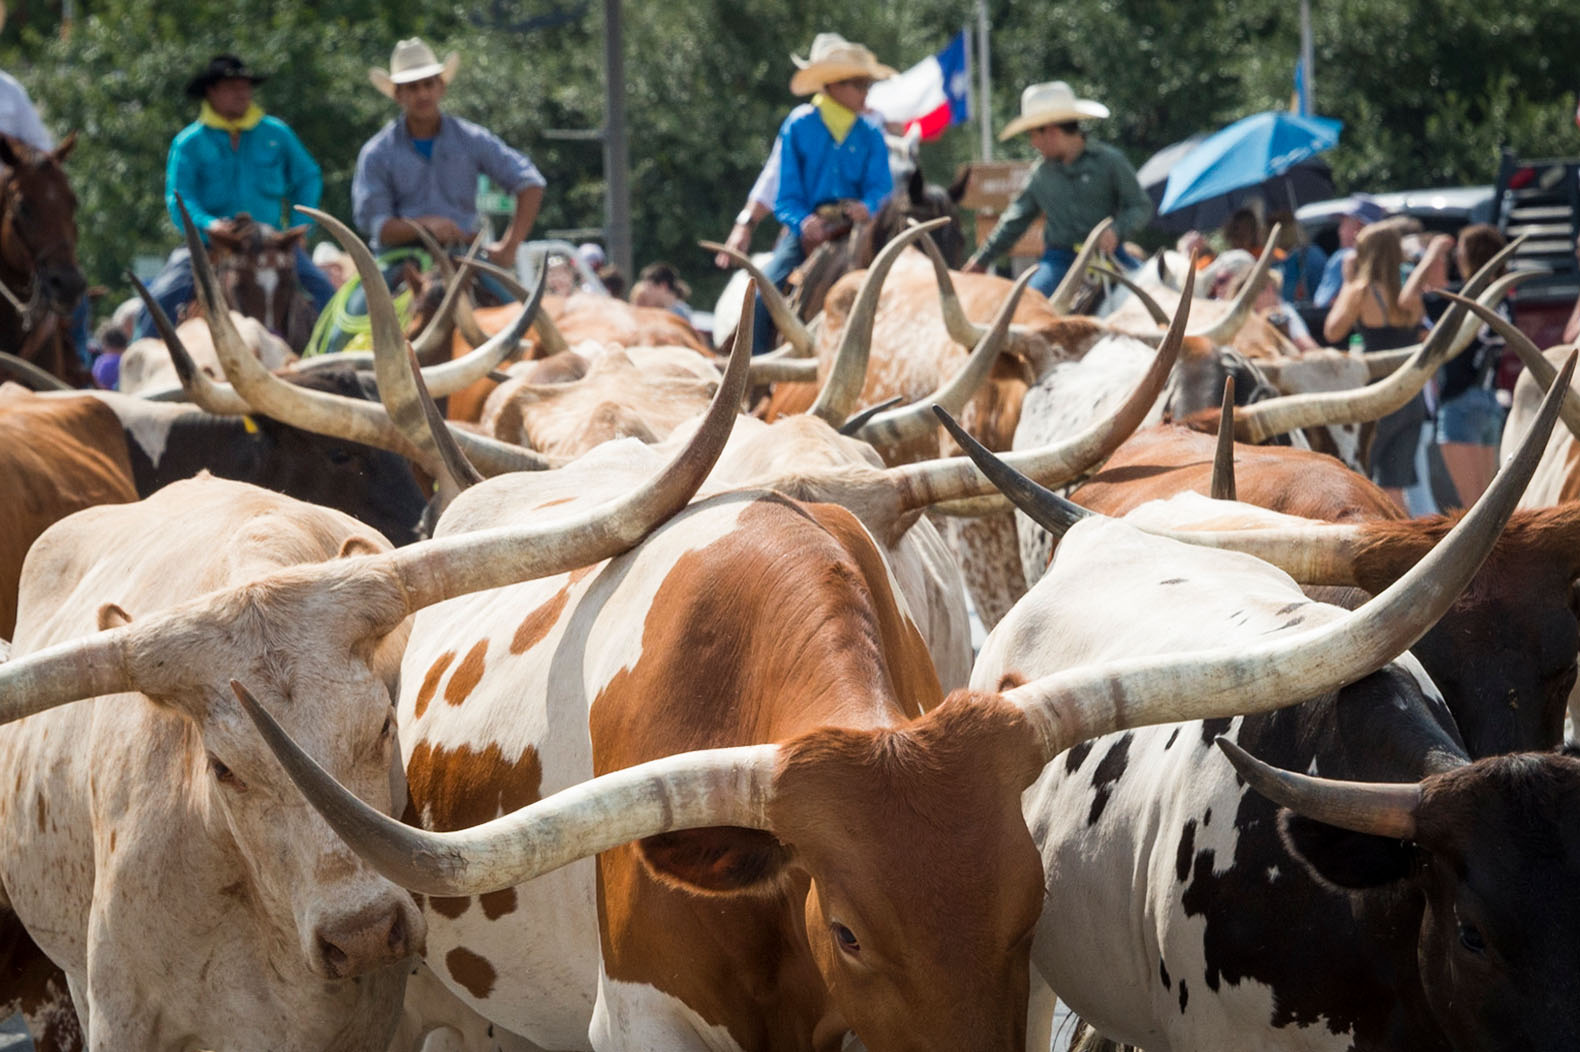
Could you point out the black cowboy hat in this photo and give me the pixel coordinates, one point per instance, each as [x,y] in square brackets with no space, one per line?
[221,67]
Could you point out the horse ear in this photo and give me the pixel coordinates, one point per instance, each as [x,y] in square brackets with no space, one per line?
[957,189]
[8,151]
[63,151]
[224,239]
[297,235]
[917,187]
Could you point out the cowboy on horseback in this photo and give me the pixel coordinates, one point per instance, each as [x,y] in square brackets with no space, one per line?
[828,155]
[234,161]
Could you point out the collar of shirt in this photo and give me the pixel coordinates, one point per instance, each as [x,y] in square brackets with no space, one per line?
[210,118]
[836,118]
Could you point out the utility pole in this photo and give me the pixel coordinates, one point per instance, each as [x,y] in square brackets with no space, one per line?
[616,157]
[1310,101]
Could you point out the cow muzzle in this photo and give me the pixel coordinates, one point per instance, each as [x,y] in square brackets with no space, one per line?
[376,936]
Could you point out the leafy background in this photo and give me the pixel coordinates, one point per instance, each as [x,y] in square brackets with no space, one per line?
[1429,90]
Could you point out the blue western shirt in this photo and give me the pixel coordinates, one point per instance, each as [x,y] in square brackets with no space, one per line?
[814,169]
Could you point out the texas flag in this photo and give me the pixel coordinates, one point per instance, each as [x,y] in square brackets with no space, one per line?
[931,95]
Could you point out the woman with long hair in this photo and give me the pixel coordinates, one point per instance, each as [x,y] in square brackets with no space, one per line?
[1387,313]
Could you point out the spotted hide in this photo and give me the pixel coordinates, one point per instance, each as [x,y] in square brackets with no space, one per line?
[1186,911]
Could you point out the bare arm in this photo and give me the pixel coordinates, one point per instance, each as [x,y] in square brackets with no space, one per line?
[1417,284]
[1344,312]
[528,200]
[1572,326]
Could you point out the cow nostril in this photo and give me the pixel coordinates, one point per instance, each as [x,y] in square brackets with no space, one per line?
[335,958]
[397,935]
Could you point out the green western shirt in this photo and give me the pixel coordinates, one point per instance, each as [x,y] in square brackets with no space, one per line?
[1072,199]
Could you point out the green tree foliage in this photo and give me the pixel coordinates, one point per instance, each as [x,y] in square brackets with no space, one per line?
[1428,89]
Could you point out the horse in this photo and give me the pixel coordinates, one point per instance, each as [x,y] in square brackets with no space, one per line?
[256,265]
[40,281]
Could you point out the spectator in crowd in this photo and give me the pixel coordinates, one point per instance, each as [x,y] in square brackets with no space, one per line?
[1303,261]
[612,279]
[421,168]
[658,285]
[1227,275]
[233,160]
[1076,184]
[1469,417]
[1387,315]
[335,264]
[1243,231]
[833,166]
[1362,212]
[110,342]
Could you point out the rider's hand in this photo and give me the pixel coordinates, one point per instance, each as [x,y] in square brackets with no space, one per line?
[1108,241]
[740,240]
[813,232]
[501,252]
[444,230]
[857,212]
[221,225]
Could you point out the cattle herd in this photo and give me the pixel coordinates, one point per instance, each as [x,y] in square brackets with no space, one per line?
[629,700]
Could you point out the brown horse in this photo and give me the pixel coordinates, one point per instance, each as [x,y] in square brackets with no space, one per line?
[38,258]
[256,265]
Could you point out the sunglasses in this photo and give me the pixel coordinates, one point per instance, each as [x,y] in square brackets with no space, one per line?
[859,83]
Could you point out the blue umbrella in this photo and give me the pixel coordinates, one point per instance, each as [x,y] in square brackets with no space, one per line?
[1251,150]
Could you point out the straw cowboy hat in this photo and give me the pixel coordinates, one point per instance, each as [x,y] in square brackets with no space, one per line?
[411,61]
[834,58]
[1051,103]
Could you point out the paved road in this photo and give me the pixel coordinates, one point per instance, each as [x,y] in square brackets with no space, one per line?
[13,1036]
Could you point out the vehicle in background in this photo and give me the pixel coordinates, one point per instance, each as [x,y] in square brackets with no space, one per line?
[1540,199]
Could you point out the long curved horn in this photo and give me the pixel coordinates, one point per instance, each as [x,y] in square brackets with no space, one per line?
[1223,331]
[1077,704]
[848,372]
[1159,315]
[1542,370]
[938,482]
[961,329]
[714,787]
[911,422]
[784,316]
[326,413]
[1223,455]
[1063,299]
[784,370]
[199,389]
[434,340]
[549,336]
[1383,363]
[400,385]
[853,426]
[35,378]
[396,583]
[1385,809]
[465,320]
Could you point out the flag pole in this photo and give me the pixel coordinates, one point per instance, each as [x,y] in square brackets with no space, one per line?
[984,96]
[1309,102]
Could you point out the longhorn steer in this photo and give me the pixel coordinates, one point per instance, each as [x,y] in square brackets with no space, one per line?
[817,867]
[1184,910]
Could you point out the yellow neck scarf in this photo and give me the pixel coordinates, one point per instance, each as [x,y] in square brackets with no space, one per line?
[209,118]
[836,117]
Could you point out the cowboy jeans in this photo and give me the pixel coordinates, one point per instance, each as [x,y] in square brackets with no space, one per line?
[1056,262]
[788,255]
[174,287]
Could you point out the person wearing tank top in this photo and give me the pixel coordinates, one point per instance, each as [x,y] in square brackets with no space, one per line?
[1387,314]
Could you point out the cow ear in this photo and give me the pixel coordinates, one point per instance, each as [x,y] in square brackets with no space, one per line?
[355,545]
[113,615]
[720,860]
[1342,859]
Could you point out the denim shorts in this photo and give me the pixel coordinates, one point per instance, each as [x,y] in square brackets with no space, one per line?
[1472,417]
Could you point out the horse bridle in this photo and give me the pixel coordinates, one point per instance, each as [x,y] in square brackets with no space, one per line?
[27,312]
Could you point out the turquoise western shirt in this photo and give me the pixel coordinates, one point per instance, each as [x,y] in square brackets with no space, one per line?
[267,172]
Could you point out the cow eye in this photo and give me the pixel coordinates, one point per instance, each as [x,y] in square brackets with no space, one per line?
[223,774]
[845,938]
[1470,938]
[389,725]
[339,455]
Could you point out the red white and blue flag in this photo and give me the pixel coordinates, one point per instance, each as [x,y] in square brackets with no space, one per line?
[931,95]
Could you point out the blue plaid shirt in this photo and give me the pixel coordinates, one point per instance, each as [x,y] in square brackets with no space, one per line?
[394,181]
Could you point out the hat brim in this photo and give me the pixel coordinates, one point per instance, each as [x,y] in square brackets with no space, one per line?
[815,76]
[387,82]
[1083,109]
[198,86]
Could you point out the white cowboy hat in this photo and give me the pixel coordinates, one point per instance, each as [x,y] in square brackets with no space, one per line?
[1051,103]
[411,61]
[834,58]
